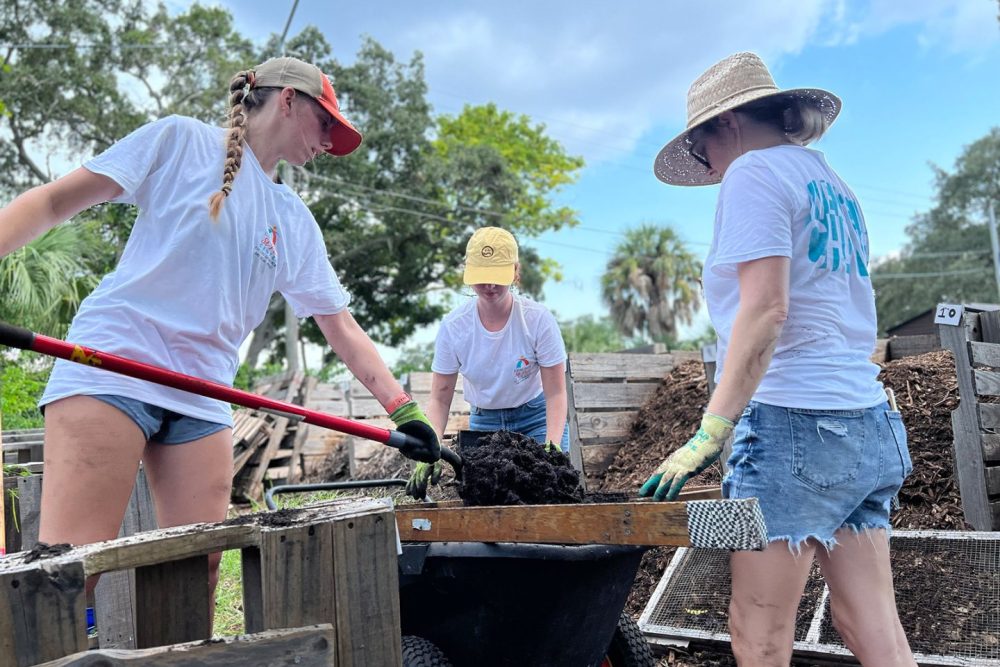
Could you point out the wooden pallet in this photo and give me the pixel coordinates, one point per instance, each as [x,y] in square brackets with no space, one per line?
[332,563]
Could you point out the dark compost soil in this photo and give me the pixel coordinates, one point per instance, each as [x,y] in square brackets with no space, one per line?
[506,468]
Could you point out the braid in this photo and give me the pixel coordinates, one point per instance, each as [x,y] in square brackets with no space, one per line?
[239,90]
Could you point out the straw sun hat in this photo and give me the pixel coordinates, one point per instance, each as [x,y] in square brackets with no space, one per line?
[736,80]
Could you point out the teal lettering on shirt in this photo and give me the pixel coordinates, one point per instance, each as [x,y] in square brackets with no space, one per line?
[837,239]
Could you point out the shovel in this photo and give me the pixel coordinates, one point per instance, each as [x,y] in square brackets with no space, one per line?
[18,337]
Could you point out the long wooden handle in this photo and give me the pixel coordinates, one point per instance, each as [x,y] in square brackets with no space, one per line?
[3,499]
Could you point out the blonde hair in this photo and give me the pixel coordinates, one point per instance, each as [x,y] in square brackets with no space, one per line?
[243,97]
[801,120]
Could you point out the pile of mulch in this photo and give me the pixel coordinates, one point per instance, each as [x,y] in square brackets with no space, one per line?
[507,468]
[926,392]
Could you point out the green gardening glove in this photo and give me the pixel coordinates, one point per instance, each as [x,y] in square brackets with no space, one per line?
[423,474]
[699,453]
[552,447]
[412,421]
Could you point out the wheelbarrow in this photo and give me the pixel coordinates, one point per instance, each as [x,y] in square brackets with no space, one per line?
[539,584]
[497,604]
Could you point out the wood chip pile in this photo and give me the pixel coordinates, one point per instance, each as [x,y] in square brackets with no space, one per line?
[926,392]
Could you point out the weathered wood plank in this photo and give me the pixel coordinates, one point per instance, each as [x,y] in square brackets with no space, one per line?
[311,646]
[619,366]
[991,447]
[607,396]
[989,416]
[640,523]
[296,567]
[985,354]
[366,588]
[909,346]
[420,382]
[597,458]
[965,421]
[172,602]
[987,383]
[993,480]
[42,614]
[115,594]
[596,425]
[573,423]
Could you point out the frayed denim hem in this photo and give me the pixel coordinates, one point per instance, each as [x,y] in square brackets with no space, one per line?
[795,544]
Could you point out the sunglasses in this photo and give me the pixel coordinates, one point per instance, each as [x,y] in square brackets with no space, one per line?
[696,147]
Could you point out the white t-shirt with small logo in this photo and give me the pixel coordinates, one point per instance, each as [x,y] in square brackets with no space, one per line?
[500,369]
[188,290]
[785,201]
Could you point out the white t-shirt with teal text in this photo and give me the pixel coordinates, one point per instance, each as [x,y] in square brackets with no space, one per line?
[785,201]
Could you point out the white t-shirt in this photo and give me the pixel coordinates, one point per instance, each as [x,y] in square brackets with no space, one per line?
[188,290]
[500,369]
[786,201]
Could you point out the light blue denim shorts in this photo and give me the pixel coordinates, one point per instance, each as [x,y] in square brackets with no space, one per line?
[527,419]
[161,425]
[817,471]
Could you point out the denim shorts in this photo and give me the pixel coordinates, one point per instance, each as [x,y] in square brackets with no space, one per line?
[161,425]
[817,471]
[527,419]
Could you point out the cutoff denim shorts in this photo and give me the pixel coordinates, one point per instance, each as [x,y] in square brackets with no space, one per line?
[817,471]
[161,425]
[527,419]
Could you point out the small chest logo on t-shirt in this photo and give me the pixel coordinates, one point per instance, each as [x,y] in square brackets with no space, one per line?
[267,246]
[523,370]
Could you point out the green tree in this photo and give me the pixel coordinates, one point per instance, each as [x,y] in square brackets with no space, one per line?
[947,258]
[591,334]
[414,358]
[652,283]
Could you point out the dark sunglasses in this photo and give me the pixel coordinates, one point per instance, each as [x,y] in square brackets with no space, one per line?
[695,139]
[697,152]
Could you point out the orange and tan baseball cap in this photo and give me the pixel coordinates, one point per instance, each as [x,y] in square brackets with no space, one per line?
[490,257]
[309,79]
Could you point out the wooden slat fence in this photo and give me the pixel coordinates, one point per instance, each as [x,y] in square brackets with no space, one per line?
[605,392]
[975,345]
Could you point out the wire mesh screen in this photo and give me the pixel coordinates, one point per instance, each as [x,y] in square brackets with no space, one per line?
[947,592]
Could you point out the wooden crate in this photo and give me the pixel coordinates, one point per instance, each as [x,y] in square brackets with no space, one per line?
[605,391]
[332,563]
[975,344]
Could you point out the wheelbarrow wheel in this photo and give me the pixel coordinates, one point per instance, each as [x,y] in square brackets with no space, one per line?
[420,652]
[628,647]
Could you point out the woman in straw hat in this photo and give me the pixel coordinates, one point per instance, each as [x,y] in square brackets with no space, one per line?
[814,438]
[509,351]
[214,238]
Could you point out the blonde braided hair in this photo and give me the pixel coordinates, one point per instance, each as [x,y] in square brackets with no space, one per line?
[241,100]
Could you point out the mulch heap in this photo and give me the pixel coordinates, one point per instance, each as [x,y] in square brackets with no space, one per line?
[926,391]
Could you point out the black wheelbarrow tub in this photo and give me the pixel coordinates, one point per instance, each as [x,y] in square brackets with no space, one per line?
[516,604]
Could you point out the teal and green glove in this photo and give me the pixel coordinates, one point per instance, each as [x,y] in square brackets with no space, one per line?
[700,452]
[423,474]
[412,421]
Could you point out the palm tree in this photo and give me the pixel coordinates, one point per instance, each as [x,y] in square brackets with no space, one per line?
[652,283]
[44,282]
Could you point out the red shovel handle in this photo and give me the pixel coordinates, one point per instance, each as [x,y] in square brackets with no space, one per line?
[27,340]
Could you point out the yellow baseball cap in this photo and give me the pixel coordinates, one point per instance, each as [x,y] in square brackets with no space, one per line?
[490,257]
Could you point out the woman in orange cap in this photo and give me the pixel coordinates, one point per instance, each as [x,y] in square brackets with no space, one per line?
[509,351]
[815,440]
[214,238]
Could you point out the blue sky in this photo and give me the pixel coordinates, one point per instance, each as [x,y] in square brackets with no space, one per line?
[919,81]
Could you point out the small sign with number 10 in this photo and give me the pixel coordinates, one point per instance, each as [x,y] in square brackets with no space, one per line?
[948,313]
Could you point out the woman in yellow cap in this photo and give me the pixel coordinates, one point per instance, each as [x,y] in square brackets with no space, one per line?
[815,440]
[509,351]
[214,238]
